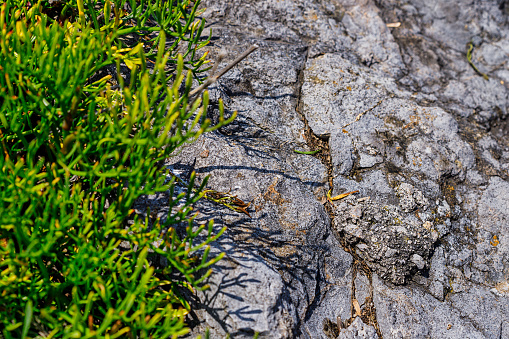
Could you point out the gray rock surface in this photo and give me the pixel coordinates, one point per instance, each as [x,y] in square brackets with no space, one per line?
[409,312]
[385,90]
[393,245]
[358,330]
[263,306]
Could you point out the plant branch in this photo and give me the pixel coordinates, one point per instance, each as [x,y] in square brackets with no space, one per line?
[213,78]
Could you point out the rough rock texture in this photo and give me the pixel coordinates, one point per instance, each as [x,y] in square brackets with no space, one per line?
[394,246]
[406,312]
[385,90]
[358,330]
[263,306]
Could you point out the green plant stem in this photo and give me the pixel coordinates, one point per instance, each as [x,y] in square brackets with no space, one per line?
[308,152]
[469,58]
[81,13]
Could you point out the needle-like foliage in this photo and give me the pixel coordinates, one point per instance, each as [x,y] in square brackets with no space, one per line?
[93,98]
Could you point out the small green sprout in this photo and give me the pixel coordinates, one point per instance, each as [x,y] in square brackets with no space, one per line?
[308,152]
[469,58]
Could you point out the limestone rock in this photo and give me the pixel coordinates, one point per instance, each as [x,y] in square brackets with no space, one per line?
[385,88]
[392,245]
[358,330]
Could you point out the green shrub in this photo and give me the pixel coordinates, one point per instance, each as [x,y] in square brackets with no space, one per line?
[78,146]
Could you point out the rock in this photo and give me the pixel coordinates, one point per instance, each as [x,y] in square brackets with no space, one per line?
[394,245]
[439,282]
[250,90]
[335,305]
[494,213]
[411,313]
[285,219]
[358,330]
[418,261]
[410,199]
[335,300]
[483,308]
[262,305]
[385,90]
[505,330]
[360,110]
[363,291]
